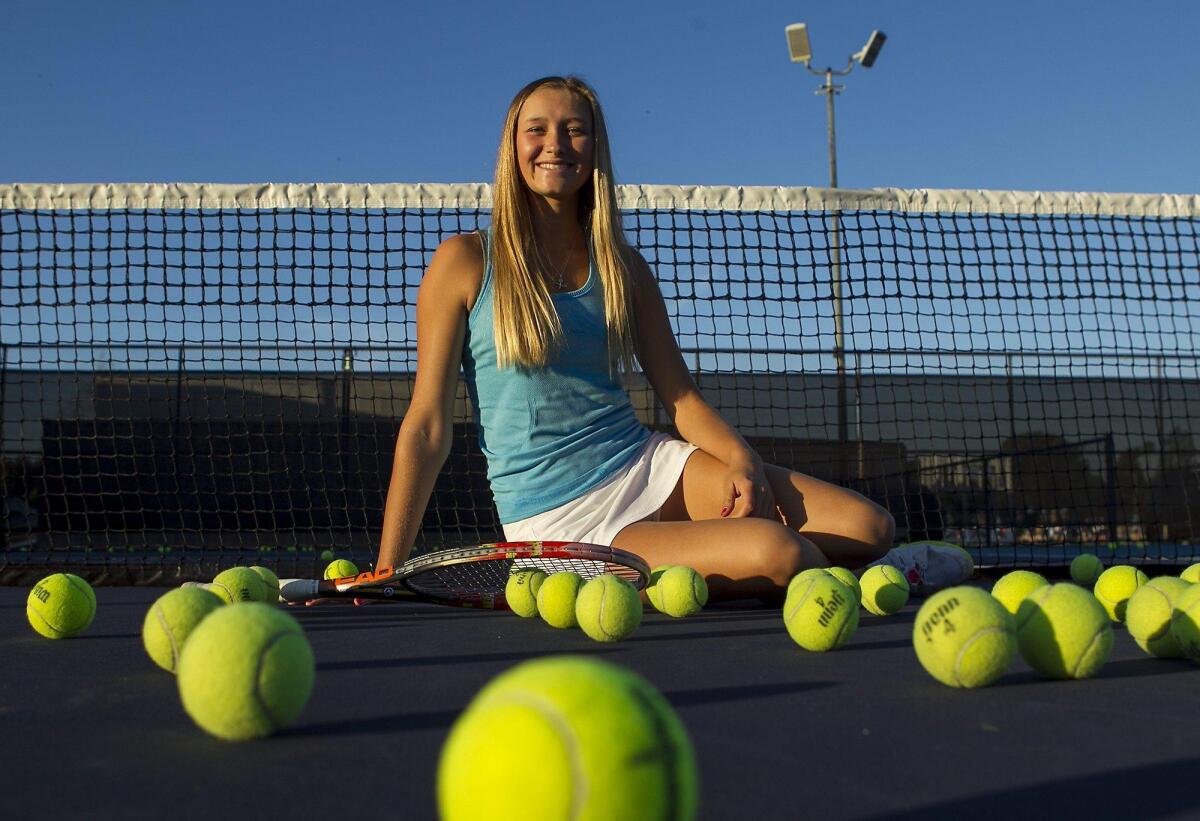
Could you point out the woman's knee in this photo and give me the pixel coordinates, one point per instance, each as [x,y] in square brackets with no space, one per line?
[880,528]
[780,553]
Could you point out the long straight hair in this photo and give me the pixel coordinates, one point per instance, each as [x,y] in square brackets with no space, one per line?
[526,325]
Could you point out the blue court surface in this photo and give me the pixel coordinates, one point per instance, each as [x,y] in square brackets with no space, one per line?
[94,730]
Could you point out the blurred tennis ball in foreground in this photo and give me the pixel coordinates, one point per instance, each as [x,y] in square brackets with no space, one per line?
[1191,574]
[238,585]
[1012,588]
[556,599]
[884,589]
[60,606]
[677,591]
[1115,586]
[171,619]
[563,738]
[521,591]
[820,612]
[608,608]
[1148,615]
[340,569]
[1085,569]
[1063,632]
[964,637]
[245,672]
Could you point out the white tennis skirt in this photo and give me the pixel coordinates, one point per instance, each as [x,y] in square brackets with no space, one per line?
[632,494]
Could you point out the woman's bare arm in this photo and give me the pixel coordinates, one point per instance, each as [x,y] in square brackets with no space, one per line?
[423,443]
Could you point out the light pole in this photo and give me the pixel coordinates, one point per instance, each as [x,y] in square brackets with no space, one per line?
[797,37]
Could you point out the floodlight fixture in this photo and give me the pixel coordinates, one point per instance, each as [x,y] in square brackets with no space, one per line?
[866,57]
[797,37]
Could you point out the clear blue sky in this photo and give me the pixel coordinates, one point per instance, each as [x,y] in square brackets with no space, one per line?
[1090,95]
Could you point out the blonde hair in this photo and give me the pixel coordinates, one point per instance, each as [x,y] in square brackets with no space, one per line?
[526,325]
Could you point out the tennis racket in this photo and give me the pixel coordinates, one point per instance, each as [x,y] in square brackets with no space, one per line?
[471,576]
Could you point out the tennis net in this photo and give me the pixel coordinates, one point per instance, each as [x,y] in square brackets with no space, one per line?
[194,373]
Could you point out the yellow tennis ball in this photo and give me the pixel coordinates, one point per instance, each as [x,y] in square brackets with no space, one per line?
[521,592]
[608,608]
[1185,622]
[820,613]
[1115,586]
[60,606]
[238,585]
[340,569]
[1148,615]
[846,576]
[599,743]
[245,671]
[556,599]
[326,555]
[1191,574]
[270,584]
[804,575]
[1085,569]
[1063,632]
[1011,588]
[171,619]
[884,589]
[652,585]
[679,591]
[964,637]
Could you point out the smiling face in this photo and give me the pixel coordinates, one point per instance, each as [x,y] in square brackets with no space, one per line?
[554,143]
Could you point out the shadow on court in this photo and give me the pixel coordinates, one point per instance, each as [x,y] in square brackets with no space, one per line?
[1147,791]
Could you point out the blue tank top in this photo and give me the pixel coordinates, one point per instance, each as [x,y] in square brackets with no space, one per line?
[549,434]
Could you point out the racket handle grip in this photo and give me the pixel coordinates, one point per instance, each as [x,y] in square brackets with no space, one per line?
[297,589]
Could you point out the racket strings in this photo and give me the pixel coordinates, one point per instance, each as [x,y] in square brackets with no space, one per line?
[489,578]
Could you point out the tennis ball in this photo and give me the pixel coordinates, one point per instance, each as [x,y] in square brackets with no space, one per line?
[884,589]
[964,637]
[803,575]
[1115,586]
[60,606]
[1191,574]
[245,672]
[1063,632]
[521,592]
[340,569]
[1185,622]
[1085,569]
[820,613]
[326,555]
[237,585]
[679,591]
[846,576]
[1148,615]
[270,584]
[602,742]
[1011,588]
[608,608]
[171,619]
[556,599]
[652,584]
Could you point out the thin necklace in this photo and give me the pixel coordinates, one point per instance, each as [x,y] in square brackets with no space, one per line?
[560,281]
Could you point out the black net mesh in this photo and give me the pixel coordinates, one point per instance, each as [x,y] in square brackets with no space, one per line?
[195,383]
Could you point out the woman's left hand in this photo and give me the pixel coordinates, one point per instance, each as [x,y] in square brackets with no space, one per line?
[748,493]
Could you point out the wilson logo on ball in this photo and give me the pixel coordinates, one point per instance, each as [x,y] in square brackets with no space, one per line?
[828,611]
